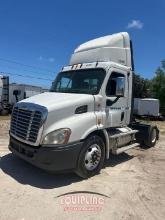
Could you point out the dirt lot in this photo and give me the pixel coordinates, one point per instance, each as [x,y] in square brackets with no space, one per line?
[134,183]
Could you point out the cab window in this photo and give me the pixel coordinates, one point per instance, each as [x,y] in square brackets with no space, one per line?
[116,85]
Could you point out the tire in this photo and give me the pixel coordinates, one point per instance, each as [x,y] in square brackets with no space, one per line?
[152,137]
[91,158]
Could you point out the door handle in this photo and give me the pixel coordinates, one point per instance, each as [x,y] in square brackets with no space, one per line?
[122,116]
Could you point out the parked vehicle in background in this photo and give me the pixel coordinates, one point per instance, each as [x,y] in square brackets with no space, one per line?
[18,92]
[88,114]
[146,107]
[4,95]
[12,93]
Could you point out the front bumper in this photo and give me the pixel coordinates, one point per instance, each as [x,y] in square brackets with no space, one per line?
[50,158]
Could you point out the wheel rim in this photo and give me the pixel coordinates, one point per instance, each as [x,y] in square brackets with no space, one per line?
[92,157]
[153,137]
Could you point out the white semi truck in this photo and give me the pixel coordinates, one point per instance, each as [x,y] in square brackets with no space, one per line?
[86,116]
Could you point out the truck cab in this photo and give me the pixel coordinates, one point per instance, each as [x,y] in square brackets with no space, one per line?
[86,116]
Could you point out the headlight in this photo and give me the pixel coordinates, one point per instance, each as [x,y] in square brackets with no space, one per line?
[60,136]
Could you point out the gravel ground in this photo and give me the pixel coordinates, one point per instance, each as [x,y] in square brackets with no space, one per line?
[133,182]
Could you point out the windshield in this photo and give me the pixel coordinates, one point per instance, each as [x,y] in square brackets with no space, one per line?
[87,81]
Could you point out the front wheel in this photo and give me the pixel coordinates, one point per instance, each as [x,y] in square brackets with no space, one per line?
[91,158]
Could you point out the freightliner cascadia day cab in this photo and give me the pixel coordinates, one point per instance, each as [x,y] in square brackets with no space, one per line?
[86,116]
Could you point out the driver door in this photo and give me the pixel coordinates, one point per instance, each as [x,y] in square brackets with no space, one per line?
[116,99]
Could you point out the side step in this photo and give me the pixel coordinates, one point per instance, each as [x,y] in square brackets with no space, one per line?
[123,134]
[123,149]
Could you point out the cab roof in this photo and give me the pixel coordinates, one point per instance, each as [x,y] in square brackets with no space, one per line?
[114,48]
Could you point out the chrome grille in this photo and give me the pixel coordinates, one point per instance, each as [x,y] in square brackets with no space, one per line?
[25,124]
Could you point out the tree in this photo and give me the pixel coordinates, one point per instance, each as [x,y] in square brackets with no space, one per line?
[158,84]
[141,87]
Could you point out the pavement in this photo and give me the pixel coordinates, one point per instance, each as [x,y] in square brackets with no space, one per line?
[130,186]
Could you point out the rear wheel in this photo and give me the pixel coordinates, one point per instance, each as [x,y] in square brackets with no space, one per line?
[91,158]
[152,137]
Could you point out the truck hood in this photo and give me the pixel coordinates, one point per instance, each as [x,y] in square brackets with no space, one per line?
[56,101]
[61,112]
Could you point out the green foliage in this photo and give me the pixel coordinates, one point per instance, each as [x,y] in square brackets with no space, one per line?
[158,84]
[155,88]
[141,87]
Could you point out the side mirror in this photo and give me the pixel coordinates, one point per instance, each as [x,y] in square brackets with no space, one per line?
[120,86]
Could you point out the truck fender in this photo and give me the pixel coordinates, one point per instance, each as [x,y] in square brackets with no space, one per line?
[107,145]
[89,132]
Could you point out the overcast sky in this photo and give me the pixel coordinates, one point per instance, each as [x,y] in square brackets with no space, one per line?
[43,34]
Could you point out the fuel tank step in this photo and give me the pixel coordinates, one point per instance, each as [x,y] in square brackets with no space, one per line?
[123,149]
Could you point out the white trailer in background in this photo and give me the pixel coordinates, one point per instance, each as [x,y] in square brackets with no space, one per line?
[18,92]
[146,107]
[12,93]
